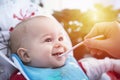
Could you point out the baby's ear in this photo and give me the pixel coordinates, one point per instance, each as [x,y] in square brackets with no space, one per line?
[23,54]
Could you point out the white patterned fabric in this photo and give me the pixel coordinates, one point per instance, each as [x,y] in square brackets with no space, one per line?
[96,68]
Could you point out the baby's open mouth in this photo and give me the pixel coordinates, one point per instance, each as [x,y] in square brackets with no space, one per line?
[57,54]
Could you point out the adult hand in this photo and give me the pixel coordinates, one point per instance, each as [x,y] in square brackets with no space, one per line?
[111,41]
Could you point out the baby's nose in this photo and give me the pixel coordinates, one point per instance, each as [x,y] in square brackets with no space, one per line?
[61,45]
[58,45]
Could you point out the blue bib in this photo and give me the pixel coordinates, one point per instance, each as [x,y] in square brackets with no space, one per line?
[70,71]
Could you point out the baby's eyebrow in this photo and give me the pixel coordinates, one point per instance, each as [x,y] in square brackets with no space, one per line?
[50,34]
[44,35]
[61,33]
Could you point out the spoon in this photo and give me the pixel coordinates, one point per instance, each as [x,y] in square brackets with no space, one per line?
[77,45]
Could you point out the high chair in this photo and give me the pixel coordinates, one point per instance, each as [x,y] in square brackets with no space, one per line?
[20,10]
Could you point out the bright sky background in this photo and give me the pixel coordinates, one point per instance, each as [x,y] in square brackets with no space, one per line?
[78,4]
[86,4]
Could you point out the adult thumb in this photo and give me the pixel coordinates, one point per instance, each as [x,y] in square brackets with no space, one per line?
[97,44]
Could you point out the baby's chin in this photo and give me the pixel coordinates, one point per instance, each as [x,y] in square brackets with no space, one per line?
[58,65]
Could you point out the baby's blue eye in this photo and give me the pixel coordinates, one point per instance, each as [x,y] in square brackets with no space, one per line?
[48,40]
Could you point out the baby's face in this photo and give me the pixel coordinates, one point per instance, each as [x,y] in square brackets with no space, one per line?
[46,43]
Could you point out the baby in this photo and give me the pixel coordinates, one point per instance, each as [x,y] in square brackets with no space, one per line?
[38,41]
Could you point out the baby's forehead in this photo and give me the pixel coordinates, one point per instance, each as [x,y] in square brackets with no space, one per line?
[43,23]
